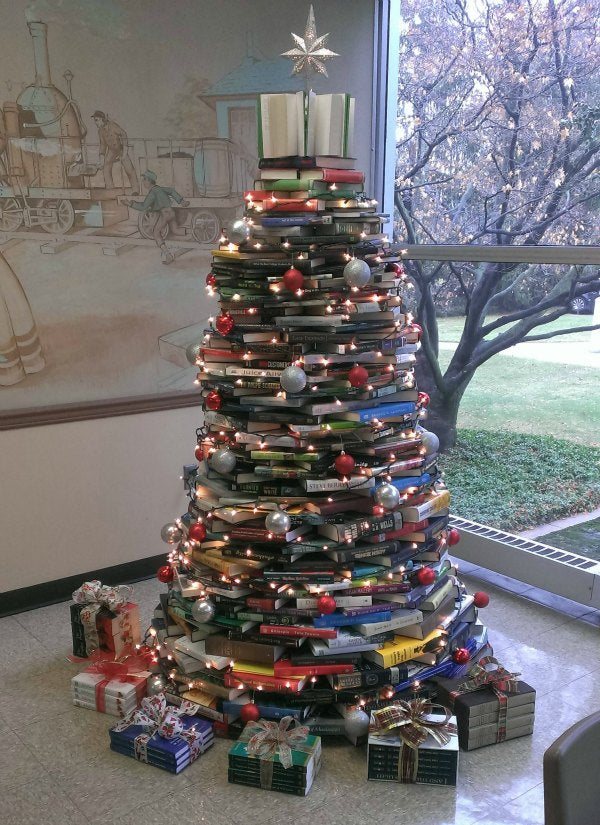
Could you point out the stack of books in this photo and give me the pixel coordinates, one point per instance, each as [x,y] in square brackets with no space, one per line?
[317,525]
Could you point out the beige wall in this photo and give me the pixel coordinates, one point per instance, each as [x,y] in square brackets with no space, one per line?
[82,496]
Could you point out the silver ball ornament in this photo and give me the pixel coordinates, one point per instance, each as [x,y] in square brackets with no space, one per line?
[356,723]
[222,460]
[193,352]
[430,441]
[357,272]
[236,231]
[387,496]
[203,610]
[170,533]
[278,522]
[293,379]
[156,684]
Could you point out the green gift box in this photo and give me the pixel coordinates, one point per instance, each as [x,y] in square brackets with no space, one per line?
[276,756]
[413,741]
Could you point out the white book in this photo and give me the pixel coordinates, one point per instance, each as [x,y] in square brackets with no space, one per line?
[319,648]
[197,650]
[340,601]
[401,618]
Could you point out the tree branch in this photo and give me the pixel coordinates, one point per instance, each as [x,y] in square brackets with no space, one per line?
[569,331]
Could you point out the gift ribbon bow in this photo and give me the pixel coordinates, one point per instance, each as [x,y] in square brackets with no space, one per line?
[497,678]
[155,716]
[270,738]
[94,596]
[410,721]
[95,592]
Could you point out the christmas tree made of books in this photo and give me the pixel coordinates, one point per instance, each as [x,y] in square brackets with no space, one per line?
[310,576]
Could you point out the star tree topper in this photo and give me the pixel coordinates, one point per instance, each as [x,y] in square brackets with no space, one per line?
[310,52]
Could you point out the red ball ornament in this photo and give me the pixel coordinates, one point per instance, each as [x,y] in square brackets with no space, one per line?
[426,575]
[293,279]
[165,574]
[213,401]
[358,376]
[249,713]
[224,324]
[481,599]
[396,268]
[453,536]
[199,452]
[326,604]
[423,399]
[344,464]
[197,532]
[461,656]
[211,279]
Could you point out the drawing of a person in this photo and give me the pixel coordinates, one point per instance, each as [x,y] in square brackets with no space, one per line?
[113,146]
[20,348]
[158,200]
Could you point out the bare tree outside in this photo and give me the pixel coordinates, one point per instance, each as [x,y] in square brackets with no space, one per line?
[498,142]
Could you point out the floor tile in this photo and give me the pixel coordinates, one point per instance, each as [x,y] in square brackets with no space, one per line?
[18,766]
[40,803]
[132,785]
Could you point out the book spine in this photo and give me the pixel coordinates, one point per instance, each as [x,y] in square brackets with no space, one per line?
[341,619]
[302,631]
[370,678]
[234,649]
[260,682]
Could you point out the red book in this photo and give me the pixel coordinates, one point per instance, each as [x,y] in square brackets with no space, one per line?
[258,195]
[266,603]
[409,527]
[284,667]
[290,205]
[304,631]
[334,175]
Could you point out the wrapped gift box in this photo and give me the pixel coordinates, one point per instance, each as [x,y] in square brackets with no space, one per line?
[171,754]
[113,696]
[268,772]
[116,629]
[483,717]
[389,759]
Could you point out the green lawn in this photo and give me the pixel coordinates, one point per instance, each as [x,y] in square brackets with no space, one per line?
[537,397]
[451,328]
[515,482]
[529,433]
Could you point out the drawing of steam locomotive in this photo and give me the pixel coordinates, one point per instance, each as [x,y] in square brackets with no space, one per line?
[51,177]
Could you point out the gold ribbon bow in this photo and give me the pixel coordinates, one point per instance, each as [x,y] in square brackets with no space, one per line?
[410,721]
[498,678]
[268,739]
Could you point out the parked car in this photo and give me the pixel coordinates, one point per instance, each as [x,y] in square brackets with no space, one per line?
[584,304]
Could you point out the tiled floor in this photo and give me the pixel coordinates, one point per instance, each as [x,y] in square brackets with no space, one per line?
[56,767]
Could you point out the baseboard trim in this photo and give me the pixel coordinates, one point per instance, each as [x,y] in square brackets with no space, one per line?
[60,590]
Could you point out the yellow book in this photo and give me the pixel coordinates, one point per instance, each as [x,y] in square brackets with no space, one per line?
[432,505]
[402,649]
[261,670]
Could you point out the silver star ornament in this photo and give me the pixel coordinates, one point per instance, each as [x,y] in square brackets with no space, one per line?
[310,52]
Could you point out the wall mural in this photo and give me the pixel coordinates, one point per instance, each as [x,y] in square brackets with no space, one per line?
[127,138]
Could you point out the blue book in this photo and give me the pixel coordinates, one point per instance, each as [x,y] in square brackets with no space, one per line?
[340,619]
[404,482]
[266,711]
[365,570]
[169,754]
[381,411]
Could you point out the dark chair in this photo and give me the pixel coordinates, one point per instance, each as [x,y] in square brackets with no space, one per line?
[572,775]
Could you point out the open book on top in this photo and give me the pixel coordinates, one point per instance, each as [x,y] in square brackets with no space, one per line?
[305,124]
